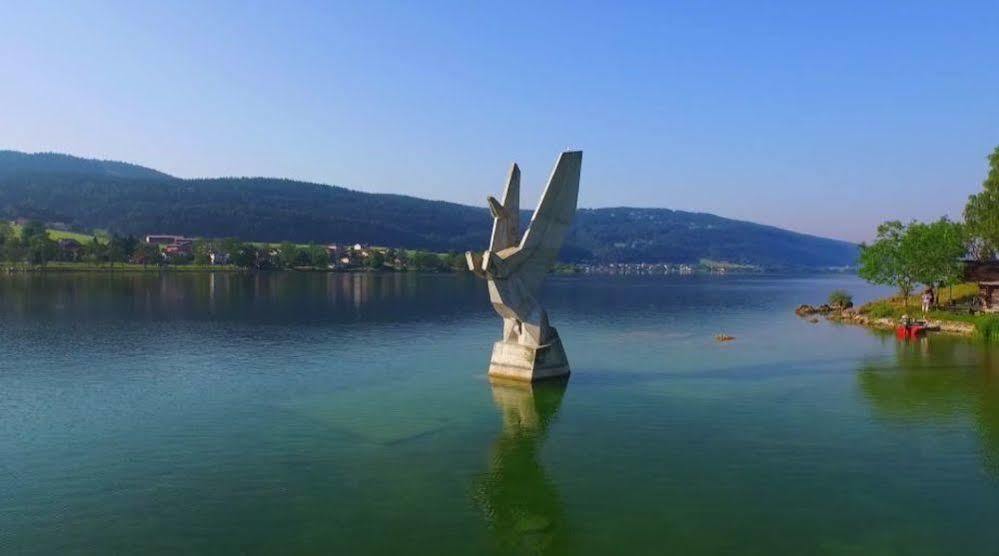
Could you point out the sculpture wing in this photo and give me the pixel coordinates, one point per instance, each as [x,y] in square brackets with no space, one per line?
[506,216]
[541,243]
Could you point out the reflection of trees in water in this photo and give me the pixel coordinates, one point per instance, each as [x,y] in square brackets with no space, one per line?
[521,503]
[271,296]
[940,379]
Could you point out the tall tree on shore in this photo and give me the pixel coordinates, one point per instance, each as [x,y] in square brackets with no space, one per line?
[246,255]
[375,260]
[287,253]
[981,214]
[891,260]
[146,254]
[202,250]
[8,241]
[938,247]
[41,249]
[318,256]
[917,253]
[6,231]
[94,250]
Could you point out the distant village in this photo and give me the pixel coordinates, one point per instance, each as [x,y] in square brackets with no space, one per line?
[33,244]
[643,269]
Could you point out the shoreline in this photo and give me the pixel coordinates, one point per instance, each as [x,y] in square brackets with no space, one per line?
[84,268]
[952,315]
[850,316]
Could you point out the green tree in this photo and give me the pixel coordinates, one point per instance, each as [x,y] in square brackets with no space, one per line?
[288,253]
[13,249]
[422,260]
[939,248]
[246,256]
[121,248]
[6,231]
[892,260]
[94,250]
[202,250]
[146,254]
[33,229]
[41,249]
[981,214]
[318,256]
[301,258]
[403,257]
[375,260]
[231,247]
[456,262]
[9,242]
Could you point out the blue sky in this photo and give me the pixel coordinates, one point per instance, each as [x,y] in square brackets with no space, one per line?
[825,118]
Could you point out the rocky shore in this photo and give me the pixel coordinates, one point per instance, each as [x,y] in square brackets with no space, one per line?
[849,315]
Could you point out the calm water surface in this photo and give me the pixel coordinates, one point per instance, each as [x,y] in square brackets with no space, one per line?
[311,413]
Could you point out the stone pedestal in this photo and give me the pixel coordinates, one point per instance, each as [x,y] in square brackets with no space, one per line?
[514,361]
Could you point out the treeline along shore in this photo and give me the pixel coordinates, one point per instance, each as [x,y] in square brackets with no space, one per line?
[35,246]
[31,246]
[946,272]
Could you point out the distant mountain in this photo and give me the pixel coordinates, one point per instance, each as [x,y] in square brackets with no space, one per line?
[13,161]
[131,199]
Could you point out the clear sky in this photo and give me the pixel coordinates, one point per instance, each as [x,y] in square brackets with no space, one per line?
[825,118]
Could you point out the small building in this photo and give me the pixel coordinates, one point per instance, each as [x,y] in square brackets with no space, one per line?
[163,239]
[69,244]
[986,275]
[178,250]
[70,249]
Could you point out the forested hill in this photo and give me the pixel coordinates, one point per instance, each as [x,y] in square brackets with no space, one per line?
[13,161]
[130,199]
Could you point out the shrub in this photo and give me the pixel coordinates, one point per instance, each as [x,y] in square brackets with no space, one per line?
[840,298]
[879,310]
[987,327]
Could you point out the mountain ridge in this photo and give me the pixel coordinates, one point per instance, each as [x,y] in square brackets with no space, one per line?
[129,198]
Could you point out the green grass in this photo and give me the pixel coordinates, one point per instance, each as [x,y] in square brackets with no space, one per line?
[60,234]
[986,326]
[960,294]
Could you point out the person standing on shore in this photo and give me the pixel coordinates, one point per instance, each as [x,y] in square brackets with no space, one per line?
[927,300]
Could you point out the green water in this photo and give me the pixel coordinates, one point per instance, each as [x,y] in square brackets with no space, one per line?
[350,414]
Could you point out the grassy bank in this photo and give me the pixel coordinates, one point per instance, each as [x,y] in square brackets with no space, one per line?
[954,306]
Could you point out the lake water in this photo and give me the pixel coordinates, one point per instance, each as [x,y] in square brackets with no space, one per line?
[312,413]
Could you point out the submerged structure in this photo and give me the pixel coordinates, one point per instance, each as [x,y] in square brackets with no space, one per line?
[515,268]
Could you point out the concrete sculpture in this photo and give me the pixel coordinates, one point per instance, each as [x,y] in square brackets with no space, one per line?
[515,268]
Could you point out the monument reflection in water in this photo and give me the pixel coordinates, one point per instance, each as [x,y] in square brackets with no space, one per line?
[522,505]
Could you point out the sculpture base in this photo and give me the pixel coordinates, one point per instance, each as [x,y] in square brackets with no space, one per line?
[513,361]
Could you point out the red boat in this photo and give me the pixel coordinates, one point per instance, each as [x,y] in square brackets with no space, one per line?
[911,331]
